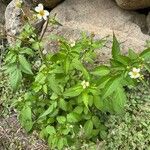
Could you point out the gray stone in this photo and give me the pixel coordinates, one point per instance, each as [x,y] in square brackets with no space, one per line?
[148,23]
[15,20]
[133,4]
[103,17]
[6,2]
[2,11]
[47,3]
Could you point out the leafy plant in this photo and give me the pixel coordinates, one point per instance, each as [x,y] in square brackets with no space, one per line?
[132,130]
[67,95]
[18,58]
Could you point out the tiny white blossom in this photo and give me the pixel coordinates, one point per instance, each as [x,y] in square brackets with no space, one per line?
[37,63]
[41,12]
[44,51]
[72,43]
[135,73]
[19,3]
[85,84]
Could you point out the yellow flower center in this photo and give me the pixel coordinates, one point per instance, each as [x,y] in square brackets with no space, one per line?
[135,73]
[41,12]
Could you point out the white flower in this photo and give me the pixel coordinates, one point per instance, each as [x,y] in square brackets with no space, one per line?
[72,43]
[85,84]
[135,73]
[41,12]
[37,64]
[44,51]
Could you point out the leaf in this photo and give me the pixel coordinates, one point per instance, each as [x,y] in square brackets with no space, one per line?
[88,128]
[10,68]
[124,60]
[110,87]
[147,67]
[119,99]
[79,66]
[63,104]
[15,78]
[115,48]
[78,109]
[50,130]
[132,54]
[67,65]
[61,143]
[26,118]
[48,111]
[53,84]
[61,119]
[73,117]
[26,50]
[25,66]
[101,71]
[85,98]
[145,54]
[73,91]
[96,121]
[98,102]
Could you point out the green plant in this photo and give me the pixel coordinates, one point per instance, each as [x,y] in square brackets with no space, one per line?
[67,94]
[132,131]
[18,59]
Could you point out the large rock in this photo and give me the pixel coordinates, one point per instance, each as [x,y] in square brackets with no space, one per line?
[103,17]
[133,4]
[47,3]
[148,23]
[2,11]
[15,20]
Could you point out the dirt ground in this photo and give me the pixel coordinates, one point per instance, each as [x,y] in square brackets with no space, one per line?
[13,137]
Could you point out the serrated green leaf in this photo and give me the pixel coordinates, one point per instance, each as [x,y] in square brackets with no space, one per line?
[73,91]
[146,54]
[78,109]
[119,99]
[85,99]
[50,130]
[101,71]
[26,118]
[79,66]
[48,111]
[26,50]
[63,104]
[132,54]
[15,78]
[61,119]
[115,47]
[53,84]
[98,102]
[73,117]
[25,66]
[88,128]
[110,87]
[123,59]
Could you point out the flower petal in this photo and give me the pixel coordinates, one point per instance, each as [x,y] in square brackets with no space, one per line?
[39,16]
[41,6]
[138,70]
[45,17]
[46,13]
[134,69]
[37,9]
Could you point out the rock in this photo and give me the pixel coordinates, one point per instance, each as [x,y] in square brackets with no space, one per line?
[2,11]
[6,2]
[17,20]
[148,23]
[47,3]
[133,4]
[103,17]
